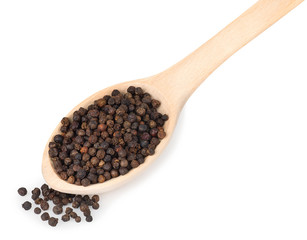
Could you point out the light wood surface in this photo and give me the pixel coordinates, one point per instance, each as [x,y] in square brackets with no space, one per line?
[175,85]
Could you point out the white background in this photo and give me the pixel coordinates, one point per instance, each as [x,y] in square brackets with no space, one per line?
[236,167]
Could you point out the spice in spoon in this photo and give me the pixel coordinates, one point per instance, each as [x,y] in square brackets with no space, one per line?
[109,138]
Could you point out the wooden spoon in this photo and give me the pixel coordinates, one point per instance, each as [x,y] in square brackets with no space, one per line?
[175,85]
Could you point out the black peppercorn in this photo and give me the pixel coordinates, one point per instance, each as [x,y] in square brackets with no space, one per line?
[75,204]
[123,170]
[101,178]
[38,200]
[131,90]
[68,210]
[58,138]
[78,198]
[37,210]
[95,198]
[53,221]
[26,205]
[65,218]
[45,216]
[78,219]
[57,209]
[85,182]
[81,173]
[95,205]
[73,215]
[89,218]
[56,200]
[22,191]
[134,163]
[44,205]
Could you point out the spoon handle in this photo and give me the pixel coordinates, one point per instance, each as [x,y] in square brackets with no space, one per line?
[182,79]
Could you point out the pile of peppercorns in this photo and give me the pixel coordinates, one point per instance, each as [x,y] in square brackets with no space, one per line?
[59,200]
[108,138]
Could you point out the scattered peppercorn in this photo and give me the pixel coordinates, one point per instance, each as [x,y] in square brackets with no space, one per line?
[53,221]
[95,198]
[61,199]
[68,210]
[45,216]
[107,139]
[95,205]
[37,210]
[73,215]
[65,218]
[78,219]
[22,191]
[44,205]
[57,209]
[89,218]
[27,205]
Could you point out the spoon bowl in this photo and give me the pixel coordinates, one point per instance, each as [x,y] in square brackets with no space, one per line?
[53,179]
[174,86]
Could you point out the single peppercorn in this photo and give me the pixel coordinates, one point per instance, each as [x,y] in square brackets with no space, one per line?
[89,218]
[78,219]
[57,209]
[87,213]
[85,182]
[58,138]
[44,205]
[134,163]
[22,191]
[75,204]
[73,215]
[84,207]
[35,193]
[95,198]
[37,210]
[65,218]
[45,216]
[95,205]
[26,205]
[53,221]
[38,201]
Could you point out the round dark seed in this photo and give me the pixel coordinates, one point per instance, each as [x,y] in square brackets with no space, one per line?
[114,173]
[53,221]
[45,216]
[44,205]
[58,138]
[161,134]
[95,198]
[95,205]
[134,163]
[57,209]
[22,191]
[36,191]
[85,182]
[68,210]
[73,215]
[101,178]
[89,218]
[37,210]
[143,128]
[123,170]
[26,205]
[78,219]
[65,218]
[81,173]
